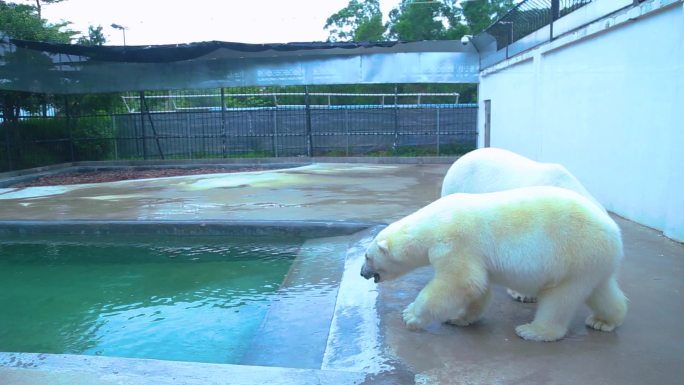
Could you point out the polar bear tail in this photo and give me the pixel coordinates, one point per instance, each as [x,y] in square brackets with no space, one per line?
[608,304]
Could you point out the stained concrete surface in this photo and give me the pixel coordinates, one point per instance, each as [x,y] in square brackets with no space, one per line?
[316,192]
[647,349]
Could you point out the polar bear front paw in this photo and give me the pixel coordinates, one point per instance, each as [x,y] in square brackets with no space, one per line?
[599,324]
[532,332]
[412,320]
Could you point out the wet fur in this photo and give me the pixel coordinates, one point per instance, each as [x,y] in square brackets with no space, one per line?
[544,241]
[493,169]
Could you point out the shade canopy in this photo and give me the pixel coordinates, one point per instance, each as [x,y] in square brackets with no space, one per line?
[69,68]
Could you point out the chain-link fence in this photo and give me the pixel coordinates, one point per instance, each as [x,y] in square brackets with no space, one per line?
[228,123]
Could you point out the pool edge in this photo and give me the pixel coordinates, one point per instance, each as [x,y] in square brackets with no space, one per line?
[299,228]
[37,368]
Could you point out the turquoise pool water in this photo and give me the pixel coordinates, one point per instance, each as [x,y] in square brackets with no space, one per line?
[195,299]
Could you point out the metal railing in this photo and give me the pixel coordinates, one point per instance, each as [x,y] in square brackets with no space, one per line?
[530,16]
[219,99]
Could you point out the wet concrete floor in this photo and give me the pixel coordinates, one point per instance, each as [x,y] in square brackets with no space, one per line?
[363,192]
[647,349]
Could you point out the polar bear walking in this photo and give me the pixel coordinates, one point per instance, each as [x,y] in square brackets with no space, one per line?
[546,241]
[493,169]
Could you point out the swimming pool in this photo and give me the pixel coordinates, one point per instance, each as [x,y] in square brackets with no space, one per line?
[196,298]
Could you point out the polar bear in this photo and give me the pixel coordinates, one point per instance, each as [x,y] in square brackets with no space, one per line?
[494,169]
[546,241]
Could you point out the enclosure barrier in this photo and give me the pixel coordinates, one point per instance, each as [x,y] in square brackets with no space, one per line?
[209,125]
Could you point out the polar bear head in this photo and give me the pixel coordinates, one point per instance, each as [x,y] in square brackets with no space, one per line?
[385,260]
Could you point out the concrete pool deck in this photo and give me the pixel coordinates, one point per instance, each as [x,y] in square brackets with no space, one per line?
[647,349]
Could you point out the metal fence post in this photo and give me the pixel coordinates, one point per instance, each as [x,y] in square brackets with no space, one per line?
[396,119]
[555,15]
[142,124]
[190,144]
[114,139]
[67,110]
[224,145]
[275,131]
[346,125]
[309,136]
[509,35]
[438,128]
[8,146]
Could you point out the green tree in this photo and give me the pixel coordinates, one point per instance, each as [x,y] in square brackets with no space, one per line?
[426,20]
[94,37]
[480,14]
[22,22]
[359,21]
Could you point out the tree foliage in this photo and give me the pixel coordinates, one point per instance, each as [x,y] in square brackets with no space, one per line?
[480,14]
[426,20]
[359,21]
[21,21]
[94,37]
[414,19]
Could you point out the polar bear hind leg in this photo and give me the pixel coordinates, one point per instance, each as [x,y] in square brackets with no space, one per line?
[557,306]
[609,306]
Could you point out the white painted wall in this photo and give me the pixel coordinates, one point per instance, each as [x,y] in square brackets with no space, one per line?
[606,101]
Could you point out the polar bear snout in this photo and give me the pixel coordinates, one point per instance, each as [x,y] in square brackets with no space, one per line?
[369,273]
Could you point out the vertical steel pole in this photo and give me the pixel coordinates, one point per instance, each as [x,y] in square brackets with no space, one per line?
[555,15]
[8,146]
[438,128]
[67,110]
[509,33]
[275,131]
[346,124]
[309,135]
[190,144]
[115,139]
[142,124]
[224,146]
[396,119]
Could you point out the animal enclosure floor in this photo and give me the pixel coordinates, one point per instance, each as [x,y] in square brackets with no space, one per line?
[647,349]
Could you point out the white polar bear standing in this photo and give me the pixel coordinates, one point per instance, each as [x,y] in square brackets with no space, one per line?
[545,241]
[494,169]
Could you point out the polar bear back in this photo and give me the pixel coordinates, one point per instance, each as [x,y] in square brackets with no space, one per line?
[528,237]
[494,169]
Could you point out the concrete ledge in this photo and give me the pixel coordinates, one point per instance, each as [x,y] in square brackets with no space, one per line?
[303,229]
[44,369]
[295,329]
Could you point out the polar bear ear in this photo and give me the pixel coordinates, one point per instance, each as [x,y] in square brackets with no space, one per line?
[384,246]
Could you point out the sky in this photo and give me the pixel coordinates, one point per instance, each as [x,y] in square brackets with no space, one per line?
[176,21]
